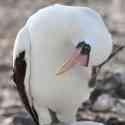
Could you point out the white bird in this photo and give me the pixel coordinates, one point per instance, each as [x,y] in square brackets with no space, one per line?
[47,39]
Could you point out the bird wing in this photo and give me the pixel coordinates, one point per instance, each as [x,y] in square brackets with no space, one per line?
[20,74]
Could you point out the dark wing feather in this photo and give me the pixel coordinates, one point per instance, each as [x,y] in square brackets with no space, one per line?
[18,77]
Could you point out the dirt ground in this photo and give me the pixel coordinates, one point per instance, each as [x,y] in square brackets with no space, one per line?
[13,15]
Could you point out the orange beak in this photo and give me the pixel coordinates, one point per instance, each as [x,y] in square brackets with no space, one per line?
[76,58]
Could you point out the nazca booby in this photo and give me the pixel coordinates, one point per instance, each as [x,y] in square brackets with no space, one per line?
[76,36]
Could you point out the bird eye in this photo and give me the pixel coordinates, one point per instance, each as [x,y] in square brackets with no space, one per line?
[87,47]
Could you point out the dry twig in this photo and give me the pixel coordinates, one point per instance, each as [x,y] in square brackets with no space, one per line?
[96,69]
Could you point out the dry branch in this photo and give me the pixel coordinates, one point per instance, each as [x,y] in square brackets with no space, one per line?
[96,69]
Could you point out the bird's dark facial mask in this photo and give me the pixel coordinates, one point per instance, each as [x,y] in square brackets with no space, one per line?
[79,56]
[84,52]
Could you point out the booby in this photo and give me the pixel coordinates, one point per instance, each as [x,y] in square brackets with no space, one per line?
[52,56]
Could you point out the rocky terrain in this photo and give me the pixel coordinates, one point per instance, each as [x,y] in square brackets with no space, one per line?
[14,13]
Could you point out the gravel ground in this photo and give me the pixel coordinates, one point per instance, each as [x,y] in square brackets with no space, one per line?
[14,13]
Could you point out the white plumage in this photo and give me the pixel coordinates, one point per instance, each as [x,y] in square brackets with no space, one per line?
[48,38]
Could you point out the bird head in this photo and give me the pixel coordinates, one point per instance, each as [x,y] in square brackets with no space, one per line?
[87,54]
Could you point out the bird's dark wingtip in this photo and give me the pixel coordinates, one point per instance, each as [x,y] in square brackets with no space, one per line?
[19,71]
